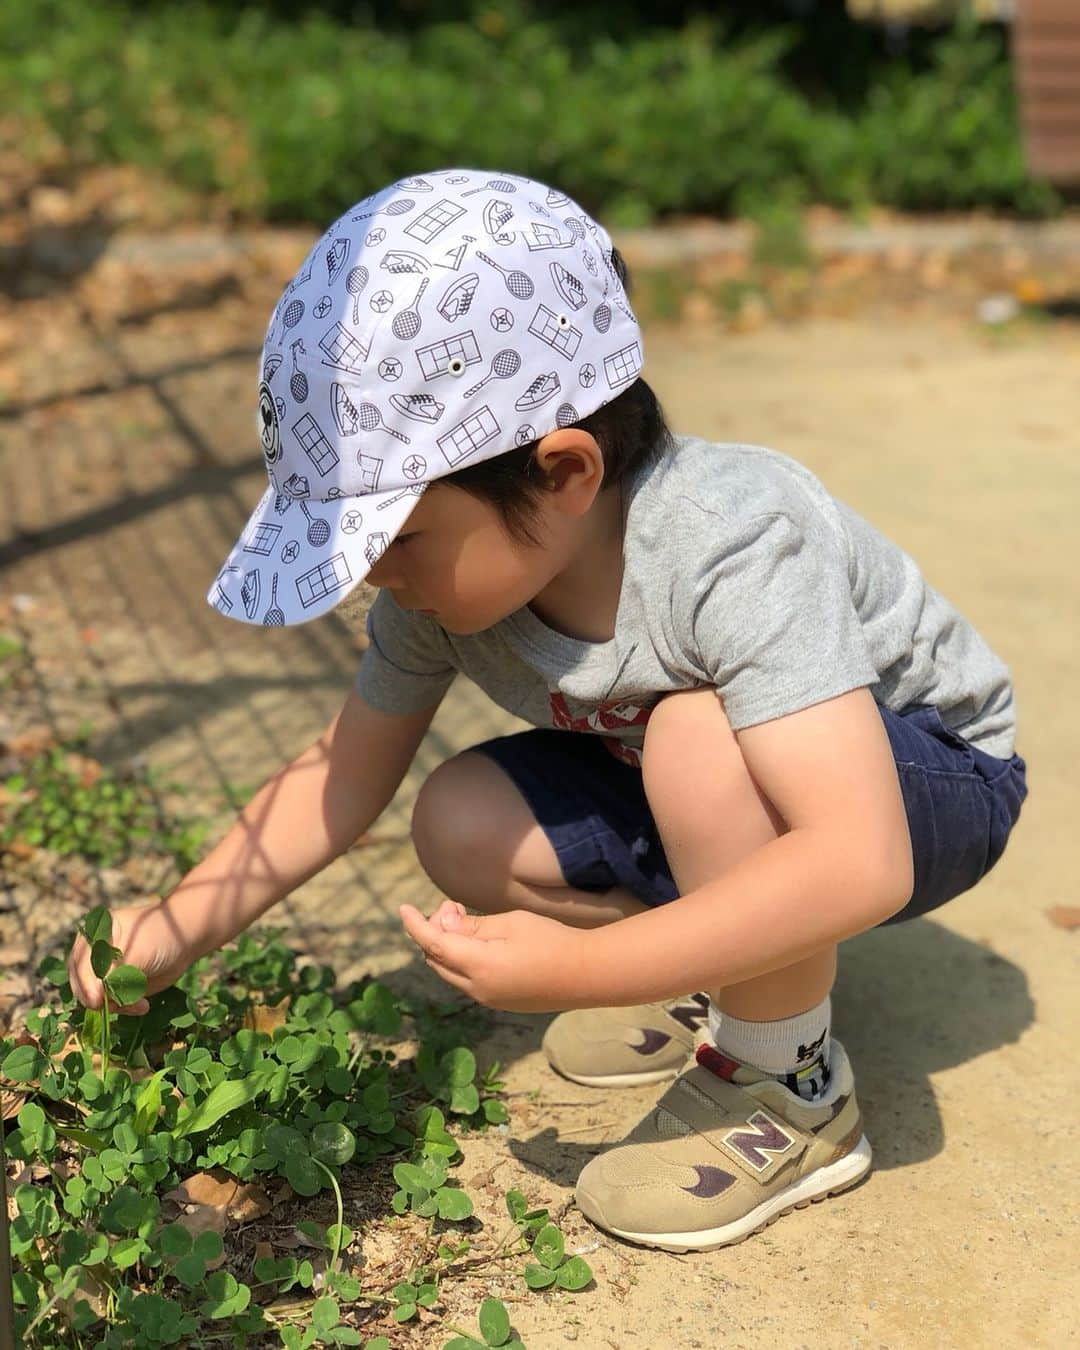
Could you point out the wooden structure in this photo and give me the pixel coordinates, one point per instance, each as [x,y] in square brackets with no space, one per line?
[1046,52]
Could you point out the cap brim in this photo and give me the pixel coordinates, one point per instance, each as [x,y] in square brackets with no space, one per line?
[287,567]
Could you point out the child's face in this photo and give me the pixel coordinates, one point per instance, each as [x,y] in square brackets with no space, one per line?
[454,560]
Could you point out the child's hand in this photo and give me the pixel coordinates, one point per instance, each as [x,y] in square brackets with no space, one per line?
[519,961]
[148,937]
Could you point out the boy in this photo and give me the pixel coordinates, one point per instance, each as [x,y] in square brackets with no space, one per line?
[785,736]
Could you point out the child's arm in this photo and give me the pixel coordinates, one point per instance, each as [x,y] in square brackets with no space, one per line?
[308,813]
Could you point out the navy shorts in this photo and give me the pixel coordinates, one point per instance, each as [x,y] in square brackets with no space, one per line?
[961,805]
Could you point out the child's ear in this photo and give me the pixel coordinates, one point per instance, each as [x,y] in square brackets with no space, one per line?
[570,458]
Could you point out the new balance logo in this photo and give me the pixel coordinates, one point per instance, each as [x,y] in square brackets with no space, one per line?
[693,1014]
[752,1148]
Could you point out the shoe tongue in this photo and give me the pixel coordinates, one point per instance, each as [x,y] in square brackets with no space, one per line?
[730,1070]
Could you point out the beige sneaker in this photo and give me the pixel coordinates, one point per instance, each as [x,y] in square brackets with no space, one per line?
[716,1159]
[622,1047]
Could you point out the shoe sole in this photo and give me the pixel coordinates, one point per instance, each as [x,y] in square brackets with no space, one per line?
[817,1185]
[621,1080]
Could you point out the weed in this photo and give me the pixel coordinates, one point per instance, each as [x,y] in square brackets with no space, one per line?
[119,1110]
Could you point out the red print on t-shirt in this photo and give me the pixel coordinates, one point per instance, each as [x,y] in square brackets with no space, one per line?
[604,717]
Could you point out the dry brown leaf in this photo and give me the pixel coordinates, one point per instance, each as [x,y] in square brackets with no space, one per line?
[87,770]
[263,1251]
[10,1103]
[32,740]
[262,1017]
[214,1199]
[19,848]
[1064,916]
[94,1291]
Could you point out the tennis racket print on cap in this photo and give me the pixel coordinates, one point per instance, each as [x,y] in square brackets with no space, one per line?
[447,318]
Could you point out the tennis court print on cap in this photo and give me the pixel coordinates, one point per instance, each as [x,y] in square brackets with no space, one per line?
[323,579]
[493,291]
[469,435]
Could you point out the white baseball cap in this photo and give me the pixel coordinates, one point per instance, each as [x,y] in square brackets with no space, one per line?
[441,321]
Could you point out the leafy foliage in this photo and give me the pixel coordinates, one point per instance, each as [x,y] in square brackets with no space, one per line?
[69,804]
[120,1110]
[294,114]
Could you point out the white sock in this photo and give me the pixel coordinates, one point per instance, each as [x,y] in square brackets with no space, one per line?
[794,1050]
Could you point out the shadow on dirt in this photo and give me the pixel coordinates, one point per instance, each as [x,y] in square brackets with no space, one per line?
[911,1001]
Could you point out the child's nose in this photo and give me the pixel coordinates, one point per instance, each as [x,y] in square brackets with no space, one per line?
[383,574]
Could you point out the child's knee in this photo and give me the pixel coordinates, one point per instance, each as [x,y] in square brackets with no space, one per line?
[441,814]
[455,828]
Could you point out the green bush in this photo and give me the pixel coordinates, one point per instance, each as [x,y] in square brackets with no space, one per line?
[297,119]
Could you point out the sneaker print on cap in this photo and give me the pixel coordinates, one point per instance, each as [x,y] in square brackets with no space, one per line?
[445,319]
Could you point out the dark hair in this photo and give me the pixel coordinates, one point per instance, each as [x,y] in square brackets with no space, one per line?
[631,432]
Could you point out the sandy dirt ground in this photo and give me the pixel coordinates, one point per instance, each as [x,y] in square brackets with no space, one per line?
[964,446]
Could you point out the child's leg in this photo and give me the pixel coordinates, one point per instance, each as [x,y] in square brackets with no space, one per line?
[711,814]
[763,1123]
[480,843]
[479,840]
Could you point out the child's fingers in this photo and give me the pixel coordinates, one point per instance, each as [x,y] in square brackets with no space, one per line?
[85,985]
[451,977]
[449,949]
[448,915]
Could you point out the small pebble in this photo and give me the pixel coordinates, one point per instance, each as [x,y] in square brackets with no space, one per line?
[998,309]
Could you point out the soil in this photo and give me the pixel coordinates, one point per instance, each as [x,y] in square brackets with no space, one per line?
[129,465]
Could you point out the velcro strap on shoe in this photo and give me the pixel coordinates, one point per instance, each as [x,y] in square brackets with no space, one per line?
[733,1122]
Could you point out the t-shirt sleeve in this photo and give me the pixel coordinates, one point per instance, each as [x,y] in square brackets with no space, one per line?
[774,625]
[408,662]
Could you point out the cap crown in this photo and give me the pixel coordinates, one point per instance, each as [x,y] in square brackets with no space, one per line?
[439,322]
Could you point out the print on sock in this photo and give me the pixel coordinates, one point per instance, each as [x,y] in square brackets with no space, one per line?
[811,1051]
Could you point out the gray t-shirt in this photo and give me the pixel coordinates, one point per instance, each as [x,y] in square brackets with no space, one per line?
[740,571]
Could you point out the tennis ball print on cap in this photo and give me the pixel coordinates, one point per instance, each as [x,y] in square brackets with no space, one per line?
[441,321]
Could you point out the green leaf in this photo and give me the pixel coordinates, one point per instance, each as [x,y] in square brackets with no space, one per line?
[101,958]
[148,1102]
[495,1112]
[574,1274]
[190,1269]
[464,1101]
[377,1343]
[125,984]
[23,1064]
[459,1066]
[303,1175]
[127,1251]
[453,1204]
[97,925]
[404,1312]
[220,1102]
[36,1130]
[127,1210]
[208,1245]
[37,1207]
[343,1236]
[464,1343]
[53,969]
[539,1277]
[548,1246]
[332,1143]
[174,1240]
[324,1314]
[415,1179]
[494,1321]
